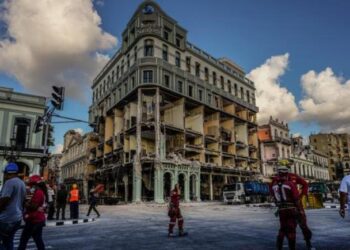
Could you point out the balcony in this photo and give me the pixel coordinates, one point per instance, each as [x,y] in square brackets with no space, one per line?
[193,148]
[110,141]
[252,148]
[282,140]
[100,145]
[240,144]
[241,158]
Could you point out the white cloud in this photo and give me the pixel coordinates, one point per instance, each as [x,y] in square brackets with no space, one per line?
[326,101]
[79,130]
[271,98]
[58,149]
[53,42]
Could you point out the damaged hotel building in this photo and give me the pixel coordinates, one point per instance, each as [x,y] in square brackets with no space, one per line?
[167,112]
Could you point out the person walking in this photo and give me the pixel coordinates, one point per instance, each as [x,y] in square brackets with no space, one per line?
[74,202]
[287,200]
[34,215]
[12,197]
[175,213]
[50,202]
[93,202]
[61,201]
[302,220]
[344,192]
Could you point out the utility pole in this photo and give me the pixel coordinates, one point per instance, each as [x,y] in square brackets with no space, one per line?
[57,103]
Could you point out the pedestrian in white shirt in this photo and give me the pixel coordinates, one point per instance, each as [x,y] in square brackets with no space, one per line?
[344,192]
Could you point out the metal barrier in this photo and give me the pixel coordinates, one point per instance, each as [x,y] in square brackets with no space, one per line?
[312,201]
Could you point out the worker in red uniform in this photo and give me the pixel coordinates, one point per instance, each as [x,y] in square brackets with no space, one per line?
[302,221]
[286,196]
[175,212]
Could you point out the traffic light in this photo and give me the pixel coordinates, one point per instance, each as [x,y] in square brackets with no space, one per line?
[39,123]
[58,97]
[50,137]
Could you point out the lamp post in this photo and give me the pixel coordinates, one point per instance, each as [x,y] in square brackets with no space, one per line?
[13,154]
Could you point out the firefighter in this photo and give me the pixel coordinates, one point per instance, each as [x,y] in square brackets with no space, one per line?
[74,202]
[286,196]
[302,221]
[175,212]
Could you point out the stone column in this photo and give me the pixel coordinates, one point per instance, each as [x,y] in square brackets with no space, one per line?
[137,168]
[187,188]
[198,187]
[126,187]
[2,166]
[211,187]
[158,173]
[158,184]
[173,180]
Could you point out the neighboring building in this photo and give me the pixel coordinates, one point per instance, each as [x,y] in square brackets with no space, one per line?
[320,160]
[18,113]
[75,161]
[308,162]
[54,168]
[337,148]
[169,112]
[275,145]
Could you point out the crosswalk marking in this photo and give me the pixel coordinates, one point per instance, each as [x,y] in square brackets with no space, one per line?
[30,245]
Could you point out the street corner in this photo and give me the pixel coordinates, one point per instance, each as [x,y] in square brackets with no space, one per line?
[70,222]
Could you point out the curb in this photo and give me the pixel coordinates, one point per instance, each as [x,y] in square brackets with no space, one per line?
[266,205]
[335,206]
[69,222]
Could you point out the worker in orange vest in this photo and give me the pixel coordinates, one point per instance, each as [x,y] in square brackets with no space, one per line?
[74,202]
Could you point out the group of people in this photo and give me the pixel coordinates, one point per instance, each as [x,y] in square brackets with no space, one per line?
[57,202]
[28,202]
[284,189]
[17,205]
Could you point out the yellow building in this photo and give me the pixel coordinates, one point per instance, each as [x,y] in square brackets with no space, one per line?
[169,112]
[75,164]
[337,148]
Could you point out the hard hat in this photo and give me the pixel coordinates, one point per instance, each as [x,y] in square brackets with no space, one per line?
[11,168]
[34,179]
[282,169]
[75,186]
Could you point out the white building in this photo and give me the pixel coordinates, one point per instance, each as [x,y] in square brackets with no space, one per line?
[18,113]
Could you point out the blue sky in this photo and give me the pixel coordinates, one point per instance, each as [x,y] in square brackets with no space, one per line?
[314,33]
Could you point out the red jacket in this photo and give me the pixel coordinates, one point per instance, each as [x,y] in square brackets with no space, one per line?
[288,193]
[36,215]
[175,198]
[296,180]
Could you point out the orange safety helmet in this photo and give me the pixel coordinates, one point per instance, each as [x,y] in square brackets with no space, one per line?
[34,179]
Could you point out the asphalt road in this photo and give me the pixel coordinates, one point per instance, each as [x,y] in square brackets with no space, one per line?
[210,226]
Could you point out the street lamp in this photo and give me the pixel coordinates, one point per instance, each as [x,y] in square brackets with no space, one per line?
[13,154]
[13,142]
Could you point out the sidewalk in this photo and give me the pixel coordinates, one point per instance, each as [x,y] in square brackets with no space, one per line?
[83,209]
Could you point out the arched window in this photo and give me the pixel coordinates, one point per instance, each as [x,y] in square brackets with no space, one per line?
[149,47]
[222,82]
